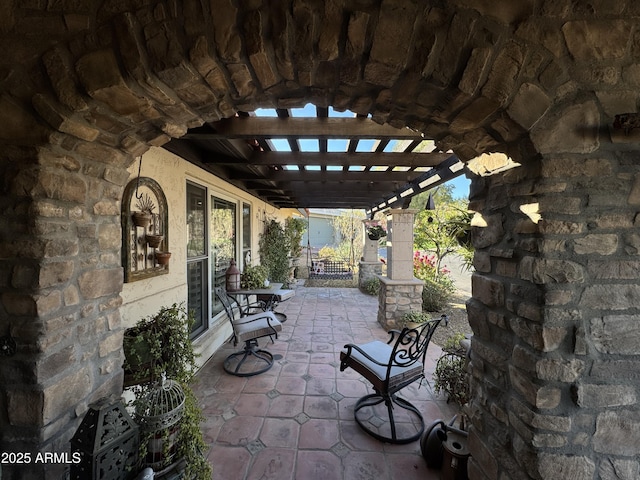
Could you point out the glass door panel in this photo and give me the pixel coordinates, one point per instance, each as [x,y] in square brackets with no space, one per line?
[223,244]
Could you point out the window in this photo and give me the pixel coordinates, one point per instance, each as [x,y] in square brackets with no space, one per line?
[246,236]
[223,244]
[197,258]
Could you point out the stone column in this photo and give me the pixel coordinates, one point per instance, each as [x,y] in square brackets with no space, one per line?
[61,283]
[370,266]
[400,292]
[554,357]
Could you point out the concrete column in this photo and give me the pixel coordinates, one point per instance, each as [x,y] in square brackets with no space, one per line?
[370,265]
[400,292]
[400,244]
[370,250]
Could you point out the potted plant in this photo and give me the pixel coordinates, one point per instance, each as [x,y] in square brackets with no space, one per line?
[162,257]
[142,217]
[450,375]
[159,346]
[153,241]
[376,232]
[253,277]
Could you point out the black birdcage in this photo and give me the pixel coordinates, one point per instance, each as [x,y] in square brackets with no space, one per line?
[159,414]
[107,441]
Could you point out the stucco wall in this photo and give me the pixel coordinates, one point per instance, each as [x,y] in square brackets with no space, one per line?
[145,297]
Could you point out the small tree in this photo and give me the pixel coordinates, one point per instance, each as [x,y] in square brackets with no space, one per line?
[349,225]
[445,230]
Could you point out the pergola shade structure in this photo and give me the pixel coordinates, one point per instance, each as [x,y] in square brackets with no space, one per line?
[309,171]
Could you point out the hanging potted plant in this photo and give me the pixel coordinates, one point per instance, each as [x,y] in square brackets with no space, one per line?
[376,232]
[142,217]
[162,257]
[153,241]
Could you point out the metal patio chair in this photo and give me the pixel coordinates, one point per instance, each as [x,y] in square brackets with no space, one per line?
[248,329]
[390,367]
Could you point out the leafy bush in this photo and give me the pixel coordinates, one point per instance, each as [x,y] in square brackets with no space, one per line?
[274,252]
[328,253]
[253,276]
[371,286]
[437,293]
[414,317]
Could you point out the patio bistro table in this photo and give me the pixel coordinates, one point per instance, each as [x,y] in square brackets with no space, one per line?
[268,296]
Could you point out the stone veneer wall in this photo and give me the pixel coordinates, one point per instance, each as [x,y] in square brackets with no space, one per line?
[62,277]
[555,317]
[368,270]
[397,297]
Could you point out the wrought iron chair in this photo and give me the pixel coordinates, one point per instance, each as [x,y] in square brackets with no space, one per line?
[390,367]
[248,329]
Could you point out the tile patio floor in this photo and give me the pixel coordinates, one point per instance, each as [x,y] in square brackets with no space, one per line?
[295,421]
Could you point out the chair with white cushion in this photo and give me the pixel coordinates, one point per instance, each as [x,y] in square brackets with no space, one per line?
[248,329]
[390,367]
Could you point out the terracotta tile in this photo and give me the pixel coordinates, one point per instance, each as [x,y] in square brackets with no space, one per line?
[323,371]
[240,430]
[272,464]
[318,465]
[280,432]
[319,434]
[286,406]
[321,407]
[260,384]
[351,388]
[228,462]
[321,386]
[291,386]
[253,405]
[365,466]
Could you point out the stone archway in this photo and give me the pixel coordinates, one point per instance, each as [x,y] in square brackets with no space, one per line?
[555,290]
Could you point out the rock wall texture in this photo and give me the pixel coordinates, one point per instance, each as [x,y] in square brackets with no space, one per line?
[88,86]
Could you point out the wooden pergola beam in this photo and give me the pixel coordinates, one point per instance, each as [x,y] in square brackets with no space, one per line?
[295,128]
[365,159]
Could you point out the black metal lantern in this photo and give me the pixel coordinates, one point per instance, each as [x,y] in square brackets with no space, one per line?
[233,277]
[106,442]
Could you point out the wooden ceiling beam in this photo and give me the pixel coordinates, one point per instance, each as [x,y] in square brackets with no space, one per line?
[365,159]
[295,128]
[327,176]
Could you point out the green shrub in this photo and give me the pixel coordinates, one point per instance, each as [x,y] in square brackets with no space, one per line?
[414,317]
[328,253]
[253,276]
[450,377]
[437,293]
[371,286]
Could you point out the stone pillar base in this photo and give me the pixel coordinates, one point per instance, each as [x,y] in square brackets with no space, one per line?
[368,270]
[397,297]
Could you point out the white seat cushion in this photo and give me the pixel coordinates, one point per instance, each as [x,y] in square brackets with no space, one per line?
[256,326]
[381,352]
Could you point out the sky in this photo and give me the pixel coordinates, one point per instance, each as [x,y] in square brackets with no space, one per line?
[460,184]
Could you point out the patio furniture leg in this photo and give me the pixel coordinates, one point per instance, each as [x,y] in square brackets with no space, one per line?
[364,417]
[250,350]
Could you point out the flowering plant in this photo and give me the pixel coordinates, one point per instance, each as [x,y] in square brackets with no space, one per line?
[424,266]
[438,285]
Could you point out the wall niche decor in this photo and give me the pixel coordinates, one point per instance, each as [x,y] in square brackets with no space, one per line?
[145,230]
